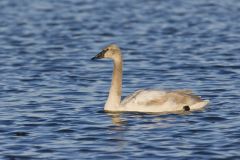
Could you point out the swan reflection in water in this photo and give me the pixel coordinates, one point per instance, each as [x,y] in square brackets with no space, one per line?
[121,119]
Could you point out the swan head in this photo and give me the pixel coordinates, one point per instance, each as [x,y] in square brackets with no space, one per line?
[112,51]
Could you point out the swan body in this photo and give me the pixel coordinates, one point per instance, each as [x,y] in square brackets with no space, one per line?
[162,101]
[145,100]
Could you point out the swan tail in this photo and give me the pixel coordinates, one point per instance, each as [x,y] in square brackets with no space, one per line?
[199,105]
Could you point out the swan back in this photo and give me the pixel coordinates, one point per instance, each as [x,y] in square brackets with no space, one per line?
[142,96]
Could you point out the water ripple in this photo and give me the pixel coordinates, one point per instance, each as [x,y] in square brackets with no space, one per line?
[52,95]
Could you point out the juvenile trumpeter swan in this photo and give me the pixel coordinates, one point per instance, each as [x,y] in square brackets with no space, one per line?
[145,100]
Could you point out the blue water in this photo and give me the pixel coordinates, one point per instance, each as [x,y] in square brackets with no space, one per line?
[52,95]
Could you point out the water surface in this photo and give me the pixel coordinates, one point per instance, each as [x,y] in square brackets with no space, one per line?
[52,95]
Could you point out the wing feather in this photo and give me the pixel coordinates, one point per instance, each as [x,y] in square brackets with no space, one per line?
[156,97]
[142,97]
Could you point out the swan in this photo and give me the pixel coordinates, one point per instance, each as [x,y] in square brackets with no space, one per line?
[144,100]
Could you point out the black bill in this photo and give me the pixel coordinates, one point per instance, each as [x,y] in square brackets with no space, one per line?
[99,55]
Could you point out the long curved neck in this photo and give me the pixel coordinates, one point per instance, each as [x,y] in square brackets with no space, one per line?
[115,92]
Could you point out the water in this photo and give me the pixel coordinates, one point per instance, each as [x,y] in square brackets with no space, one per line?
[52,95]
